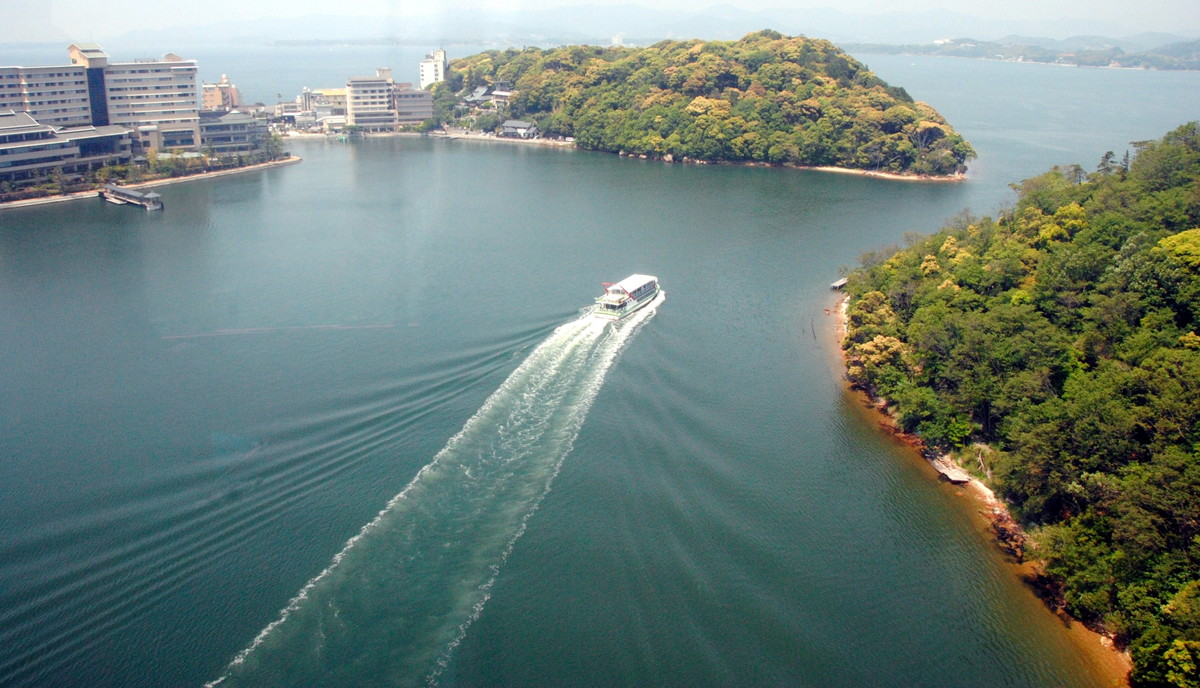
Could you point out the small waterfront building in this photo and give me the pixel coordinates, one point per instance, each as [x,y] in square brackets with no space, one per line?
[434,68]
[518,128]
[229,133]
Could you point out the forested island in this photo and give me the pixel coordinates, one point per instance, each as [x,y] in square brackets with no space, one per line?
[767,98]
[1055,350]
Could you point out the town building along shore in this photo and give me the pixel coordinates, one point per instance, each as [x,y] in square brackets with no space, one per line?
[91,193]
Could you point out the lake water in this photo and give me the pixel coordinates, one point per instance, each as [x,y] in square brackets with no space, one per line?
[340,423]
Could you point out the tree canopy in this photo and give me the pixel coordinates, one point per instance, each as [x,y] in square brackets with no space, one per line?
[765,98]
[1064,334]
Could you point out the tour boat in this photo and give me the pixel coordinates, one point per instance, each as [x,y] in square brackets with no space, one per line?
[624,297]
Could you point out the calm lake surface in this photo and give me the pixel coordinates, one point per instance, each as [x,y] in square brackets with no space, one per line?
[376,358]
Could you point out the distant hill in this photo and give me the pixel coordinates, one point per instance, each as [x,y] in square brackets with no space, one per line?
[1130,44]
[1084,51]
[765,98]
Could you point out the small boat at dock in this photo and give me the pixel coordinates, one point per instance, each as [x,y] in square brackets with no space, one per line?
[121,196]
[624,297]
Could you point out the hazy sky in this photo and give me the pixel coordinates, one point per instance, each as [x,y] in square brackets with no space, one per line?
[52,20]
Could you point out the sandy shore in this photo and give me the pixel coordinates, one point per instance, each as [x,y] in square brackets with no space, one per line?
[91,193]
[996,523]
[465,135]
[491,138]
[888,175]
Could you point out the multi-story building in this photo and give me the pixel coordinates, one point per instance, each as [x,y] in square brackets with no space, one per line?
[156,99]
[328,102]
[57,96]
[31,150]
[411,106]
[286,109]
[228,133]
[221,96]
[434,68]
[369,102]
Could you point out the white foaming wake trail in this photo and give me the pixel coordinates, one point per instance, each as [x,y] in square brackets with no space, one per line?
[396,601]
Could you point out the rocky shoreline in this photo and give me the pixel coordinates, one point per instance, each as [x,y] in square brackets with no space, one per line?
[1007,534]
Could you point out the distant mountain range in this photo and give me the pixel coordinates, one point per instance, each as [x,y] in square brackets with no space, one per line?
[635,24]
[1164,51]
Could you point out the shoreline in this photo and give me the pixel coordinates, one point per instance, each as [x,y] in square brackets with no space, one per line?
[463,135]
[166,181]
[995,522]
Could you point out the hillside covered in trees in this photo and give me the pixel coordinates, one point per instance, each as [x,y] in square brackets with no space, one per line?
[764,98]
[1064,335]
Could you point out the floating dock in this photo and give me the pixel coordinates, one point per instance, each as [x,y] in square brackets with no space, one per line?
[115,194]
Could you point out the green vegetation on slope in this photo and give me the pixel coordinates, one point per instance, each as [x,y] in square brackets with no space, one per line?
[1065,335]
[764,98]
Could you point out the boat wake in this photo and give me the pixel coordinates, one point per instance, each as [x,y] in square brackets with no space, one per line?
[398,599]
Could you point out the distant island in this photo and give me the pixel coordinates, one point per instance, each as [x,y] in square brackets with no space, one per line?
[1054,351]
[1080,51]
[767,98]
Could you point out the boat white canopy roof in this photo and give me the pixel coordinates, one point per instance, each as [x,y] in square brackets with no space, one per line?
[634,281]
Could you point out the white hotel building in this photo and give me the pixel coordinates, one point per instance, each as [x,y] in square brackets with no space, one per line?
[57,96]
[434,68]
[157,99]
[369,102]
